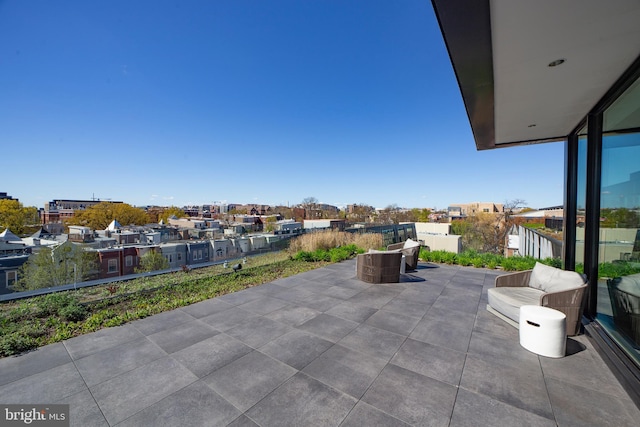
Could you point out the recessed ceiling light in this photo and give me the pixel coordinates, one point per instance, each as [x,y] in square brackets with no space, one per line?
[532,125]
[556,62]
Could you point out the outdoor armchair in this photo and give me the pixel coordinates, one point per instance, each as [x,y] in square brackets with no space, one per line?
[410,249]
[379,267]
[544,286]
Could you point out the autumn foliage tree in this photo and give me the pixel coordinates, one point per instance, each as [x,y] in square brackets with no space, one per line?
[17,218]
[171,211]
[487,232]
[99,216]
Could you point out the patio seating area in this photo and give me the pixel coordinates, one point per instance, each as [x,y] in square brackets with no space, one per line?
[324,348]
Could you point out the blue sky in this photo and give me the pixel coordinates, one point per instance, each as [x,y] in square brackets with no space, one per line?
[196,102]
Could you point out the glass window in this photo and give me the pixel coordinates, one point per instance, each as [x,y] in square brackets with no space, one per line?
[618,308]
[12,277]
[128,261]
[113,266]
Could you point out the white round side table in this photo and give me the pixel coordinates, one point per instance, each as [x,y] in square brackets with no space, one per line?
[543,330]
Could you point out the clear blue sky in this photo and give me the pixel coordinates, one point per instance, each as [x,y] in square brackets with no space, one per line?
[195,102]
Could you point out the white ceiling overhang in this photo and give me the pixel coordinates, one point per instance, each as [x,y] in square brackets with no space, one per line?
[501,51]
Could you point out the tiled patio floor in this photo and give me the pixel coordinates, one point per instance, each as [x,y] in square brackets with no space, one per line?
[322,348]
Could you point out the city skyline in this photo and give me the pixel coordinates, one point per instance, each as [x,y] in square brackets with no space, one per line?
[156,103]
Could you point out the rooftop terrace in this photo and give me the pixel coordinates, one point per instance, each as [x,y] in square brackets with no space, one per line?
[323,348]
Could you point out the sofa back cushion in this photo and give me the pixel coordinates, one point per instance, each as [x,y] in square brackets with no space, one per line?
[410,244]
[629,284]
[551,279]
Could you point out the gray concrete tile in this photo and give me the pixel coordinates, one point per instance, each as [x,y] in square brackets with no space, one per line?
[583,370]
[248,379]
[500,350]
[430,360]
[242,421]
[264,305]
[123,396]
[240,297]
[407,307]
[411,397]
[367,415]
[442,333]
[522,387]
[101,340]
[313,286]
[375,296]
[421,295]
[315,275]
[328,327]
[302,401]
[320,302]
[351,311]
[194,405]
[211,354]
[393,322]
[354,283]
[457,303]
[293,295]
[257,331]
[160,322]
[16,367]
[182,336]
[472,410]
[340,292]
[296,348]
[206,308]
[270,288]
[83,410]
[577,406]
[489,323]
[462,290]
[373,341]
[457,319]
[227,319]
[346,370]
[44,387]
[293,315]
[114,361]
[288,282]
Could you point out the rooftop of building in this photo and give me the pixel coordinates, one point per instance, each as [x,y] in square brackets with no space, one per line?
[324,348]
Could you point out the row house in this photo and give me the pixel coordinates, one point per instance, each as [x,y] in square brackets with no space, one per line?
[120,261]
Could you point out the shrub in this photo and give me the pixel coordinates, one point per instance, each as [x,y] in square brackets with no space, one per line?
[477,262]
[15,343]
[509,264]
[73,312]
[449,257]
[463,259]
[437,256]
[492,264]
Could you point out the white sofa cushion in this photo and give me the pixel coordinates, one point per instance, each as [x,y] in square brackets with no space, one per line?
[551,279]
[508,300]
[410,244]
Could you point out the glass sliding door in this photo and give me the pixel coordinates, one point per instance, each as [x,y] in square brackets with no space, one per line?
[618,297]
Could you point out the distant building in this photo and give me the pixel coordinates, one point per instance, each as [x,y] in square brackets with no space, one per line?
[57,210]
[324,224]
[13,253]
[4,196]
[464,210]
